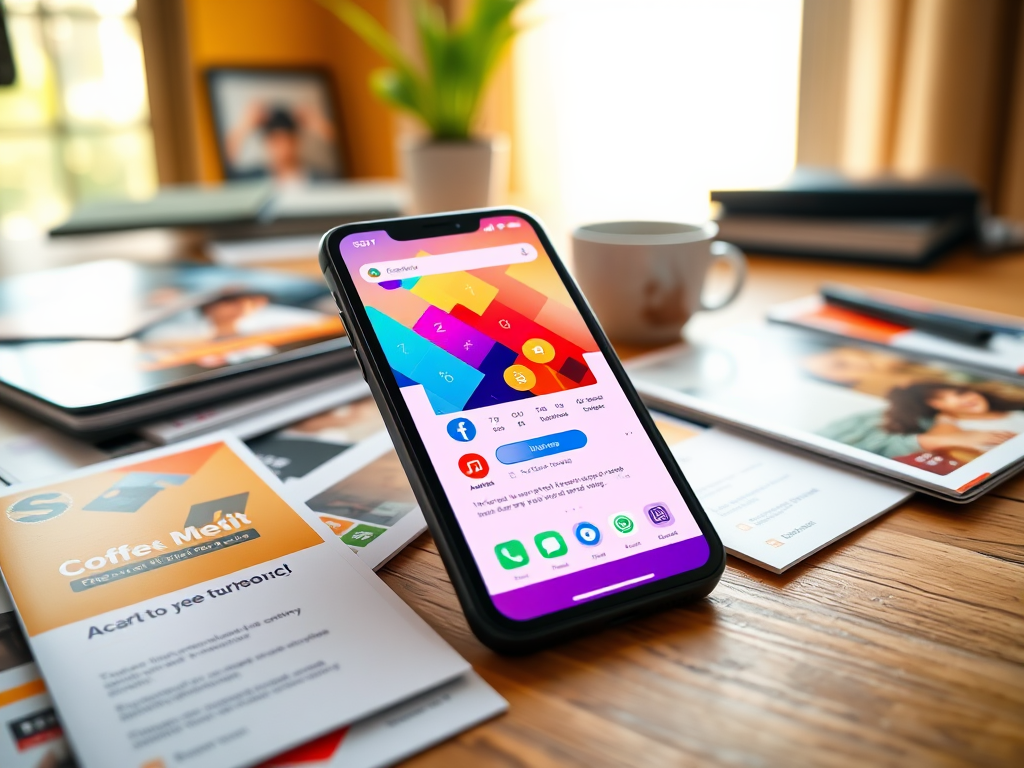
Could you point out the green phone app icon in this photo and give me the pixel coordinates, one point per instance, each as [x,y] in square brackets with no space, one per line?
[550,544]
[622,523]
[512,554]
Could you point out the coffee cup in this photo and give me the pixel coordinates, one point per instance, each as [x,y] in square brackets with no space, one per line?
[645,279]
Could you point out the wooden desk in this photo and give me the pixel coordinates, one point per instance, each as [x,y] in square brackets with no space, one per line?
[901,645]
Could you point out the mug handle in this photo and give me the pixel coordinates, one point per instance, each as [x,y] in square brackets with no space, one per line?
[728,252]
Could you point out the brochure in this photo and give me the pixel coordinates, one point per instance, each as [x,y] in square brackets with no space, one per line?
[1004,354]
[239,655]
[771,506]
[296,450]
[363,495]
[939,428]
[31,735]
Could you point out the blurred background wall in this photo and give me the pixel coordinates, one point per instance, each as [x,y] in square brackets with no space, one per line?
[616,108]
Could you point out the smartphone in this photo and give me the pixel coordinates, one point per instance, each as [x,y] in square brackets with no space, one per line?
[554,501]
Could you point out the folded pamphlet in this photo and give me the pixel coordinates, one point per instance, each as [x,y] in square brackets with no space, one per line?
[184,612]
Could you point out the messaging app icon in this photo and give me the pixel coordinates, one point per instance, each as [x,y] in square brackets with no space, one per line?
[373,272]
[622,524]
[512,554]
[587,534]
[550,544]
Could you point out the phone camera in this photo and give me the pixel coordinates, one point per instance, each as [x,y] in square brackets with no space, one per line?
[458,226]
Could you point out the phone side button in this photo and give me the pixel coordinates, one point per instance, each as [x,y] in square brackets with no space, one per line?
[359,362]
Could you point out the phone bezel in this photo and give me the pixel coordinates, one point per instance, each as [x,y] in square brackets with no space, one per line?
[371,356]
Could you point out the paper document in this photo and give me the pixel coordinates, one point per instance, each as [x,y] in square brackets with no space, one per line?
[771,506]
[363,495]
[185,613]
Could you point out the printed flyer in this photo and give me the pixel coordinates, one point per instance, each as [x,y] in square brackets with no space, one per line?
[185,614]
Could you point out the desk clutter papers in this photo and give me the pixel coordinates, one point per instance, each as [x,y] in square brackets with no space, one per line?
[30,733]
[197,334]
[298,449]
[258,414]
[944,429]
[363,495]
[238,656]
[1003,354]
[770,505]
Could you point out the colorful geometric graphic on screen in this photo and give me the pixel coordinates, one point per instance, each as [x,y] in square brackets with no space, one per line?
[480,338]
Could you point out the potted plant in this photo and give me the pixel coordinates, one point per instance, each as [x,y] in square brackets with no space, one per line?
[450,168]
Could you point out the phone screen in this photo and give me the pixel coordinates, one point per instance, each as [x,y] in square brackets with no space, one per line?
[559,492]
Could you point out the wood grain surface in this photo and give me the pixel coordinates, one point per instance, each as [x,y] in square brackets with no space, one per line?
[903,644]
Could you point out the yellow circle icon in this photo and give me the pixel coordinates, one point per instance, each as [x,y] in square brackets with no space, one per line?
[520,378]
[539,351]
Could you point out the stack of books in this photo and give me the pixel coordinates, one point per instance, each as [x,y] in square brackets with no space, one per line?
[823,214]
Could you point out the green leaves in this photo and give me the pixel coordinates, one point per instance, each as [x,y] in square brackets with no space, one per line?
[458,60]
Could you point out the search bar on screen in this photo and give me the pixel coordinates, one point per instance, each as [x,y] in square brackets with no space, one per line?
[460,261]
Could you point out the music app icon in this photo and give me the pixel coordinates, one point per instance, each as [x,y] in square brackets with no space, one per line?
[474,465]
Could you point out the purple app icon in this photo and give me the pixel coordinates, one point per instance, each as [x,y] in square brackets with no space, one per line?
[659,515]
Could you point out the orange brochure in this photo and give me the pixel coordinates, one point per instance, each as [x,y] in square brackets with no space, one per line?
[185,612]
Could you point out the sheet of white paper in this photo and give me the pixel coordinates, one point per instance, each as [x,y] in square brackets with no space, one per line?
[273,623]
[31,451]
[771,506]
[364,496]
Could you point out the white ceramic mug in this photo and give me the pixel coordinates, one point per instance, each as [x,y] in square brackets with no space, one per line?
[645,279]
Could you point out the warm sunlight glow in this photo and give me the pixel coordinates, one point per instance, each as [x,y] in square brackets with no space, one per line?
[637,108]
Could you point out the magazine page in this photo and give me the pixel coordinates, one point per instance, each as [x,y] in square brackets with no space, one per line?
[363,495]
[938,427]
[154,662]
[1003,354]
[298,449]
[246,319]
[770,505]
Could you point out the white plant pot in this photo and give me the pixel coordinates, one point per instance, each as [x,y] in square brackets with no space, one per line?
[452,175]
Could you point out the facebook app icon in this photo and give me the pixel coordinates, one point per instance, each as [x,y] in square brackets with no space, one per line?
[461,429]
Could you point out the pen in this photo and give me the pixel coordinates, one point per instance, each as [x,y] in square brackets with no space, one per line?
[961,329]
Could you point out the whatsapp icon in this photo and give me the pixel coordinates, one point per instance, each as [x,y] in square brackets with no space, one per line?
[622,524]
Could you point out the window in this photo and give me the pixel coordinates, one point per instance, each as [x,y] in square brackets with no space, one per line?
[75,125]
[637,108]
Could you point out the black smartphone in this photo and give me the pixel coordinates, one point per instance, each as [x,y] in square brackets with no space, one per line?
[554,501]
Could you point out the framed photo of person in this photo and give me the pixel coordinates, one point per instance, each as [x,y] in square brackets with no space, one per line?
[279,124]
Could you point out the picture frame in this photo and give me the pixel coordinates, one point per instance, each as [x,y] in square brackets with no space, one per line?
[277,123]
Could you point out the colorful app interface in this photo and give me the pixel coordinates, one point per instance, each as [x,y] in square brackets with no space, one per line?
[558,490]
